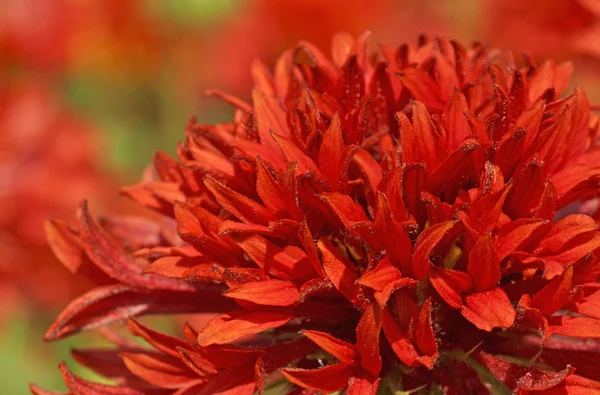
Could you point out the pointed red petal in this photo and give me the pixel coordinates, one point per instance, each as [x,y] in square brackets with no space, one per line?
[390,235]
[310,247]
[226,382]
[104,305]
[107,363]
[575,385]
[238,324]
[269,292]
[234,101]
[162,342]
[65,244]
[282,229]
[340,349]
[401,346]
[380,276]
[427,241]
[160,370]
[424,336]
[344,208]
[341,47]
[426,143]
[391,187]
[454,119]
[35,390]
[555,294]
[564,231]
[575,326]
[483,215]
[517,377]
[338,271]
[451,174]
[155,195]
[330,153]
[450,285]
[515,233]
[489,310]
[289,263]
[78,385]
[293,153]
[327,380]
[263,81]
[528,187]
[270,117]
[367,339]
[244,208]
[588,305]
[268,189]
[484,265]
[113,260]
[370,168]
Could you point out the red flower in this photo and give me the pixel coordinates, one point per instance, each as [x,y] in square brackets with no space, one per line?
[43,146]
[395,219]
[560,27]
[62,36]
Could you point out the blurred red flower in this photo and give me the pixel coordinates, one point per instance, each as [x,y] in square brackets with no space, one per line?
[46,164]
[52,37]
[392,218]
[558,28]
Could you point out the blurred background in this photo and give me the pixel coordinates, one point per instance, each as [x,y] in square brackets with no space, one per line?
[89,89]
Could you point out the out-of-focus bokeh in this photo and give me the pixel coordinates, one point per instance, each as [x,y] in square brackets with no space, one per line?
[89,89]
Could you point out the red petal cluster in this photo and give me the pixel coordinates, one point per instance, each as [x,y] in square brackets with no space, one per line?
[393,219]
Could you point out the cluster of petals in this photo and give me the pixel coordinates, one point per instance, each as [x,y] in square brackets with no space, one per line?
[410,219]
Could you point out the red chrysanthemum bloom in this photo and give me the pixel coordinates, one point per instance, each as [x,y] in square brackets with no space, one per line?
[396,220]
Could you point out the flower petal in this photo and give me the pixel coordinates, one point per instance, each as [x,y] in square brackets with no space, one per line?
[421,141]
[367,339]
[451,285]
[289,263]
[575,326]
[327,380]
[244,208]
[384,279]
[77,385]
[232,326]
[554,294]
[160,370]
[424,246]
[340,349]
[489,310]
[104,305]
[484,265]
[401,346]
[523,378]
[113,260]
[338,271]
[330,153]
[269,292]
[424,336]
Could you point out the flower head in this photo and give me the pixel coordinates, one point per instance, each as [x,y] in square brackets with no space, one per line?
[391,219]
